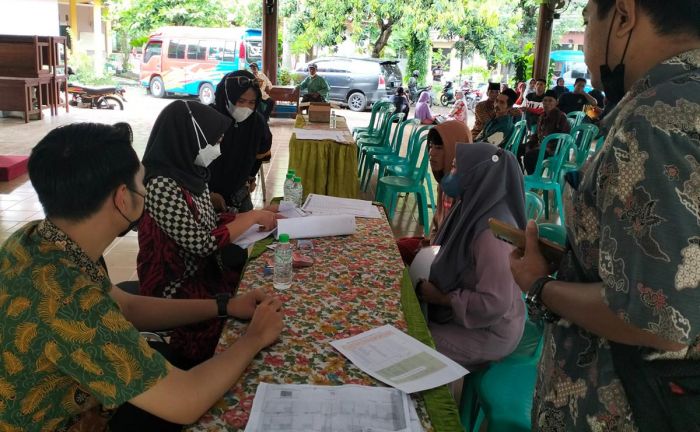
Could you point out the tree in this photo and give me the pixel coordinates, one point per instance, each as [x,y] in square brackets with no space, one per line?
[137,19]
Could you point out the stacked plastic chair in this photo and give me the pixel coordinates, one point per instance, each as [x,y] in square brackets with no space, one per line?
[534,206]
[383,156]
[577,117]
[373,121]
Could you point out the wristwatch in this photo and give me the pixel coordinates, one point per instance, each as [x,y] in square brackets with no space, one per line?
[533,299]
[222,304]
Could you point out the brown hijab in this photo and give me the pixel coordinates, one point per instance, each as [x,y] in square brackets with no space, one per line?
[443,140]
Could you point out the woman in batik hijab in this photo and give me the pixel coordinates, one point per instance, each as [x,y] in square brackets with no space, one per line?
[185,247]
[475,310]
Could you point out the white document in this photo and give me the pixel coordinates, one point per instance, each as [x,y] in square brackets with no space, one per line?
[290,211]
[317,226]
[420,267]
[309,408]
[323,204]
[251,235]
[322,134]
[399,360]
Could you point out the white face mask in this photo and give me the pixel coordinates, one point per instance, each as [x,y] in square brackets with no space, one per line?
[207,155]
[240,114]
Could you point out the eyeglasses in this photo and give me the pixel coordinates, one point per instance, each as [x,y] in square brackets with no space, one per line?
[244,81]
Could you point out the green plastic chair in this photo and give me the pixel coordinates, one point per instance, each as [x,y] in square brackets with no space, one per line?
[382,136]
[534,206]
[380,120]
[583,134]
[598,145]
[552,181]
[371,154]
[516,137]
[402,165]
[372,120]
[386,146]
[389,187]
[552,232]
[577,117]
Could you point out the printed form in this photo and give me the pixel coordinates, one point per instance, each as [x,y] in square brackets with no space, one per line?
[310,408]
[399,360]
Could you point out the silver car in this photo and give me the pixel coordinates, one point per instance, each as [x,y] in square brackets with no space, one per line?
[357,82]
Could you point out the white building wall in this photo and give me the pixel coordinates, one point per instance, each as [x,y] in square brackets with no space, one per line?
[29,17]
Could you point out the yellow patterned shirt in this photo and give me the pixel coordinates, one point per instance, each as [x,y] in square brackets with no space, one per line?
[65,345]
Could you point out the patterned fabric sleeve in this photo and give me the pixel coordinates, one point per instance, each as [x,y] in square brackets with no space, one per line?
[93,343]
[168,206]
[650,223]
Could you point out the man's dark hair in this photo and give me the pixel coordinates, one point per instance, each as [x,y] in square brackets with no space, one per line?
[400,91]
[494,86]
[511,94]
[681,17]
[542,80]
[578,80]
[550,93]
[76,167]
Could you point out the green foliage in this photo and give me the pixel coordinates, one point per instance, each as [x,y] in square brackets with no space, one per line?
[284,77]
[479,71]
[418,51]
[137,19]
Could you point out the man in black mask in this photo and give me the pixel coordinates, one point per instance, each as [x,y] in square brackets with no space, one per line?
[627,291]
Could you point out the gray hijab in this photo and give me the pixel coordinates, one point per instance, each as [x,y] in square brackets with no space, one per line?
[492,187]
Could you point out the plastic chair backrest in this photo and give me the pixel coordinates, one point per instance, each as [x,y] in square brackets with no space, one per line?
[599,144]
[553,232]
[391,138]
[576,116]
[564,144]
[424,152]
[373,119]
[583,135]
[516,137]
[534,206]
[400,131]
[385,115]
[413,150]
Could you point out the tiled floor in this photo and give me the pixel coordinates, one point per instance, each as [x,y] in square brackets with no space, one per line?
[19,203]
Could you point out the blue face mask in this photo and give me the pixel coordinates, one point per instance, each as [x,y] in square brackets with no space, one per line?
[450,185]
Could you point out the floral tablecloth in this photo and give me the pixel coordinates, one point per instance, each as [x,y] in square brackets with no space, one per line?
[354,285]
[326,167]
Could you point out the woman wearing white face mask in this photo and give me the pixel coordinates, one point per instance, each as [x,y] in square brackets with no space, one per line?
[246,143]
[185,248]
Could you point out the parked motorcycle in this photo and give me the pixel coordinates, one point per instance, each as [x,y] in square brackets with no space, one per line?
[108,97]
[448,94]
[414,95]
[472,97]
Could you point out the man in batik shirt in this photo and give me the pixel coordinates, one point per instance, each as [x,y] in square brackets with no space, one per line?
[70,343]
[631,275]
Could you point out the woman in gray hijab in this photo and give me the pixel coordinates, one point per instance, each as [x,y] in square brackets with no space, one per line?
[475,310]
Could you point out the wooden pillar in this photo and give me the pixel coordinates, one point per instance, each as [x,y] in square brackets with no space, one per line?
[543,44]
[73,19]
[269,63]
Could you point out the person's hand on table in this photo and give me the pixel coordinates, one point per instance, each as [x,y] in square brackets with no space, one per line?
[529,265]
[218,202]
[274,208]
[429,293]
[243,306]
[267,219]
[267,322]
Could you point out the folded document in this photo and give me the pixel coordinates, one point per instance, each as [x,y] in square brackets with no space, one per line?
[317,226]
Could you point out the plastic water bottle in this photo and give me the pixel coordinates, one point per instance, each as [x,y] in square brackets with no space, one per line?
[333,120]
[298,192]
[288,185]
[282,275]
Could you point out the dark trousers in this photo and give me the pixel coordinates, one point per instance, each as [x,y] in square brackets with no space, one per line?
[129,418]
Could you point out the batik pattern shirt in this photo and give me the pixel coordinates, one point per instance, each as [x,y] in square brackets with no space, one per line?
[66,347]
[483,112]
[634,225]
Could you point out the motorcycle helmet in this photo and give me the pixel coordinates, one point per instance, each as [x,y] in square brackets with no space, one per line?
[416,73]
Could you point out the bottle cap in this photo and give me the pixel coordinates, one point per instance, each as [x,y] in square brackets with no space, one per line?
[291,171]
[297,179]
[283,238]
[290,176]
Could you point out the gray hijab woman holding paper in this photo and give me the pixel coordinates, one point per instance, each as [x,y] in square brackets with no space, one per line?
[475,310]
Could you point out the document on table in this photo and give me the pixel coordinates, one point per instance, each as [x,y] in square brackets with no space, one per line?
[290,211]
[310,408]
[323,134]
[317,226]
[399,360]
[251,235]
[323,204]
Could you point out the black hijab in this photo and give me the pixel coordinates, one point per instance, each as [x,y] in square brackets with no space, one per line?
[492,187]
[243,141]
[172,146]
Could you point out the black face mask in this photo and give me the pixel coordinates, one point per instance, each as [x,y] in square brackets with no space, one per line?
[132,224]
[614,80]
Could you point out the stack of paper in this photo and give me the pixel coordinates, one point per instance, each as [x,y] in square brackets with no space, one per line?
[309,408]
[323,134]
[398,360]
[327,205]
[317,226]
[251,235]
